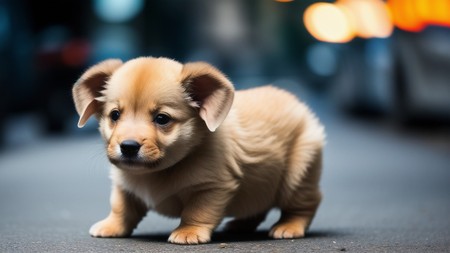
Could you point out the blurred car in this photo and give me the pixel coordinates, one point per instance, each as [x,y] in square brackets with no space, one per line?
[422,76]
[406,76]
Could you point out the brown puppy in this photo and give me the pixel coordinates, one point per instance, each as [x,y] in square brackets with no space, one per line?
[160,120]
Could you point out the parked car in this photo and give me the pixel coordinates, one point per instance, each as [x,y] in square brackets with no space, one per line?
[406,76]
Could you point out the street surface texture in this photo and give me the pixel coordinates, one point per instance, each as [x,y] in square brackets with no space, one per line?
[384,191]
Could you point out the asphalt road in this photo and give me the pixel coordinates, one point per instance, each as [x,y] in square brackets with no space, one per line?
[384,191]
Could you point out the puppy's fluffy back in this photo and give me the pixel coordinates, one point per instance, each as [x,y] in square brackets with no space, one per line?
[277,142]
[269,119]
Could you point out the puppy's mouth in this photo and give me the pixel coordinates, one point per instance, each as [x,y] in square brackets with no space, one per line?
[135,162]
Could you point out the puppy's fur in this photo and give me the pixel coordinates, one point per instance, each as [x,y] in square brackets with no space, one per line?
[160,120]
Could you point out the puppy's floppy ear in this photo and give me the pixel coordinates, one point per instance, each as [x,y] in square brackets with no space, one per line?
[210,90]
[89,86]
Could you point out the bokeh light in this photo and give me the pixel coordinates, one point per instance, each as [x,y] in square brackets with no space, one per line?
[415,15]
[118,11]
[322,59]
[328,22]
[370,18]
[341,21]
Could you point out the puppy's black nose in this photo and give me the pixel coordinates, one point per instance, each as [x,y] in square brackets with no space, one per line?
[129,148]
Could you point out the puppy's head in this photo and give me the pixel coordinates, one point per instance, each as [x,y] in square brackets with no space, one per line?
[152,111]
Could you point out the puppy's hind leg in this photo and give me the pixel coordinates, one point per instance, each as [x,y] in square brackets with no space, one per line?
[298,210]
[293,223]
[245,225]
[126,212]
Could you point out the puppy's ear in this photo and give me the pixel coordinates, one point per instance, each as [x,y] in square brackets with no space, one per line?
[210,90]
[89,86]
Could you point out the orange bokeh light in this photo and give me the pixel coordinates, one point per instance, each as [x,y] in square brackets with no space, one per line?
[415,15]
[369,17]
[328,22]
[339,22]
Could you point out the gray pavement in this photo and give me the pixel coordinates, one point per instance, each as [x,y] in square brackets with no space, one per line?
[383,192]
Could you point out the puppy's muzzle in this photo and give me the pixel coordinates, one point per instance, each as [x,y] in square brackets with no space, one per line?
[130,148]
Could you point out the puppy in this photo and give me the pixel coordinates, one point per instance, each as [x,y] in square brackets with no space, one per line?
[183,143]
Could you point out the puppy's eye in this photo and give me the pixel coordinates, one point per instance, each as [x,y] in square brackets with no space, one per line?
[114,115]
[162,119]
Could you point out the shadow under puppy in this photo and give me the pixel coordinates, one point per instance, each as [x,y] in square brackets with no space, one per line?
[160,120]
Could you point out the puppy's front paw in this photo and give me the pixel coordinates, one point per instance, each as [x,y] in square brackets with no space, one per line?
[190,235]
[287,231]
[109,228]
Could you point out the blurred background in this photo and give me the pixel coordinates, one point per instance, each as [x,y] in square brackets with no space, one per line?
[377,74]
[371,59]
